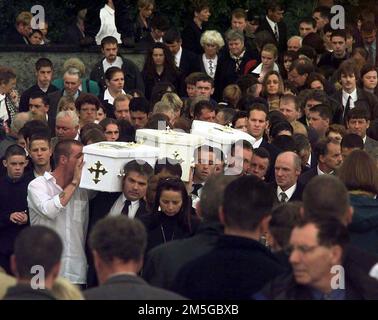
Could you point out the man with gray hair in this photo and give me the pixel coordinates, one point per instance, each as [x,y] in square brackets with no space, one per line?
[287,170]
[294,43]
[164,108]
[71,85]
[235,61]
[11,138]
[66,127]
[163,262]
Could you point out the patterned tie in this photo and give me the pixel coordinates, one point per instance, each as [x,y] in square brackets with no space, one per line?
[125,209]
[196,187]
[211,68]
[276,33]
[283,197]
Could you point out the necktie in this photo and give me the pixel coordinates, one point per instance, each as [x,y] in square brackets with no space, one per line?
[196,187]
[347,107]
[211,68]
[125,209]
[276,32]
[283,197]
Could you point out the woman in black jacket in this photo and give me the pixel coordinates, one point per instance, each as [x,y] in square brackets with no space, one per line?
[171,216]
[158,67]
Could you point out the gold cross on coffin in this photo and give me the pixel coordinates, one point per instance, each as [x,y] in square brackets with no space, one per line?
[97,171]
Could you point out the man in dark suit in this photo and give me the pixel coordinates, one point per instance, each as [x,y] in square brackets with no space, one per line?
[185,60]
[118,244]
[163,262]
[357,122]
[71,83]
[130,202]
[350,96]
[240,264]
[304,150]
[28,263]
[328,152]
[274,25]
[44,73]
[109,48]
[287,169]
[369,40]
[159,26]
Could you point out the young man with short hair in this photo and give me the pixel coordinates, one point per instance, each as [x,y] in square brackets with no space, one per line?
[13,205]
[44,73]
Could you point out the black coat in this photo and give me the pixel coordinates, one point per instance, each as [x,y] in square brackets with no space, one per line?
[24,100]
[133,79]
[163,262]
[297,195]
[305,177]
[13,197]
[150,80]
[191,36]
[128,287]
[282,33]
[25,292]
[14,37]
[364,99]
[235,269]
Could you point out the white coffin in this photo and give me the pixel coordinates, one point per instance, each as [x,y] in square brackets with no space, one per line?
[172,144]
[104,162]
[221,137]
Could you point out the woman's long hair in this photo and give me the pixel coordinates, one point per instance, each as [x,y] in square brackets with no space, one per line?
[175,184]
[169,63]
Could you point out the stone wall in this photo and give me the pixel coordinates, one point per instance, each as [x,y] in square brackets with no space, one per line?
[22,60]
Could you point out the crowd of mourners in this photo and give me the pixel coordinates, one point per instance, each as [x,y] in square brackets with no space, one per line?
[292,213]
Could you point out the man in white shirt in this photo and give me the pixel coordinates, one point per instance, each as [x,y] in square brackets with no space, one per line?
[56,201]
[287,170]
[108,26]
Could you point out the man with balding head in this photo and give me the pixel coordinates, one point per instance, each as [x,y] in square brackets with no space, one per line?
[287,170]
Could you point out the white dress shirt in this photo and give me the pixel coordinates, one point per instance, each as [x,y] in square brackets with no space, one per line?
[108,27]
[70,222]
[117,63]
[353,99]
[273,25]
[257,143]
[289,192]
[178,57]
[3,108]
[109,97]
[117,207]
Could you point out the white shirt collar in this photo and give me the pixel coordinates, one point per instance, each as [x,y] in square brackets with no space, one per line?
[257,143]
[346,95]
[178,57]
[258,69]
[207,67]
[320,172]
[108,96]
[2,97]
[271,23]
[133,203]
[364,139]
[117,63]
[289,192]
[309,160]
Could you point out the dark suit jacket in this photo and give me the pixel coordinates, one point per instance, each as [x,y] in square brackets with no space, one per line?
[297,195]
[370,145]
[273,152]
[128,287]
[133,79]
[364,99]
[305,177]
[191,36]
[73,35]
[235,269]
[282,33]
[14,37]
[54,98]
[189,63]
[163,262]
[25,292]
[24,100]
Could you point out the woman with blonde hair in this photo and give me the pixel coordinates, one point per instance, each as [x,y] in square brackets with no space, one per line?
[62,289]
[66,103]
[173,100]
[87,85]
[211,42]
